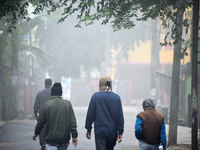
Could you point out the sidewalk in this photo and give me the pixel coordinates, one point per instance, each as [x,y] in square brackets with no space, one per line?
[183,138]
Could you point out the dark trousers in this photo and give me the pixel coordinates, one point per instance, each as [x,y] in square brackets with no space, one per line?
[105,144]
[41,136]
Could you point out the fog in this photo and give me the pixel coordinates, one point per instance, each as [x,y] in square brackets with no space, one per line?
[79,57]
[84,55]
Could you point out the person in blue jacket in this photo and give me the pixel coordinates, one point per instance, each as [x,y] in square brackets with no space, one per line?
[150,127]
[105,110]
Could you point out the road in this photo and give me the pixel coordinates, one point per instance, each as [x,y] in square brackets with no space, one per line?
[17,134]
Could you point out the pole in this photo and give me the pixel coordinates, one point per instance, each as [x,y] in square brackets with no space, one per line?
[195,23]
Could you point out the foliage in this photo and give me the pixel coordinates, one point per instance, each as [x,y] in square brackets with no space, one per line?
[41,58]
[188,45]
[89,54]
[120,13]
[83,47]
[5,54]
[14,11]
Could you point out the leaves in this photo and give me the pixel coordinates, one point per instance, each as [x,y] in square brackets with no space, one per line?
[120,14]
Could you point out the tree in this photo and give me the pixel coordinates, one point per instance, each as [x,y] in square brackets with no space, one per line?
[14,11]
[14,53]
[121,13]
[5,57]
[82,48]
[175,81]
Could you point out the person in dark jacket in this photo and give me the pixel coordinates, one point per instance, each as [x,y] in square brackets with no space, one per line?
[105,110]
[59,117]
[42,97]
[150,127]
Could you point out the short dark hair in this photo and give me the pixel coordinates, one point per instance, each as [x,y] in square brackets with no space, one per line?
[48,82]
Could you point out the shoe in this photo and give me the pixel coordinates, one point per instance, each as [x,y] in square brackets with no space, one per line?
[43,147]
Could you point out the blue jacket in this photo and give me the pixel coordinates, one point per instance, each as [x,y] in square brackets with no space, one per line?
[138,132]
[105,110]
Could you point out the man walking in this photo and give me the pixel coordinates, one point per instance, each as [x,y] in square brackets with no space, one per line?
[59,117]
[150,127]
[105,110]
[42,97]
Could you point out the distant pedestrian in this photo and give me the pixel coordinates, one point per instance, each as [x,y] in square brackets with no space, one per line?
[150,127]
[42,97]
[105,110]
[59,117]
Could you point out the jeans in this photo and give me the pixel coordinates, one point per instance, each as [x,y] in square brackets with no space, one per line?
[57,147]
[145,146]
[105,144]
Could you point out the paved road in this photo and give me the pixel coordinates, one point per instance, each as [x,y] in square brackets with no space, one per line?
[17,134]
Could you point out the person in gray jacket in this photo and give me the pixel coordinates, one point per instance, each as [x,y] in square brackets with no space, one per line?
[42,97]
[59,117]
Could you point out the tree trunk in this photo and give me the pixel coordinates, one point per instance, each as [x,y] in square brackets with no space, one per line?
[155,62]
[12,111]
[175,82]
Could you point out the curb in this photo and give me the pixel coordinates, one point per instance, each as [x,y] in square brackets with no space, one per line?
[1,123]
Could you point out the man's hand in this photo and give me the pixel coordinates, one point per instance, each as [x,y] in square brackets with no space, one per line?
[119,138]
[88,135]
[34,137]
[75,141]
[36,117]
